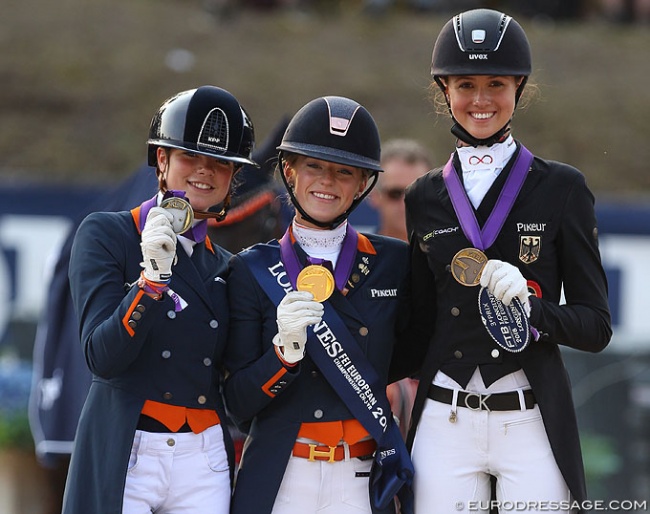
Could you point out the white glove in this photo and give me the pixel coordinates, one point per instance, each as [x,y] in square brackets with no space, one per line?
[505,282]
[296,312]
[158,245]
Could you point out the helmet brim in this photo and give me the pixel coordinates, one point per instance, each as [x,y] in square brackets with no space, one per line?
[225,156]
[325,153]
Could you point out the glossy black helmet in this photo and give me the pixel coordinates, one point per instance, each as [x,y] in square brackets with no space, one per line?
[335,129]
[207,120]
[481,42]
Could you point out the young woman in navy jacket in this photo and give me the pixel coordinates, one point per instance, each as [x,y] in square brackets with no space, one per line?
[312,328]
[149,289]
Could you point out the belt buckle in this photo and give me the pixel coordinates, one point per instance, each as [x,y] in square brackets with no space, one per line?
[313,453]
[482,398]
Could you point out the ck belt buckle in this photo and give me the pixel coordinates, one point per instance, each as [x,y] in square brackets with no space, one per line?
[313,453]
[480,401]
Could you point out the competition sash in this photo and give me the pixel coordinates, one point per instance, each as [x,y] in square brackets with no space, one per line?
[338,356]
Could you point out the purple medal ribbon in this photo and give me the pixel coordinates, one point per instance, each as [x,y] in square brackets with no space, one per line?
[483,238]
[144,211]
[343,264]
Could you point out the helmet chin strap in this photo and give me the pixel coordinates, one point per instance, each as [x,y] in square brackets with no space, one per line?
[462,134]
[330,225]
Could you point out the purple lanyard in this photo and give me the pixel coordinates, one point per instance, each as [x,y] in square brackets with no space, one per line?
[483,238]
[343,264]
[196,233]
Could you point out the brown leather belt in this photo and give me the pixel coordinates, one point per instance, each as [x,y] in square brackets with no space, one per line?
[488,402]
[315,452]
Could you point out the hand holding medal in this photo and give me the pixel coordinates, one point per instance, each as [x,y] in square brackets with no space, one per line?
[503,289]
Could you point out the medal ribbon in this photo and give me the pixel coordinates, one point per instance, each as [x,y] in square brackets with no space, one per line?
[483,238]
[343,264]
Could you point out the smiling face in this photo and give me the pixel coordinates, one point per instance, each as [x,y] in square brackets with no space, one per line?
[323,189]
[482,104]
[205,180]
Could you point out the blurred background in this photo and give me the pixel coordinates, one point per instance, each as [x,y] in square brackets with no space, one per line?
[81,79]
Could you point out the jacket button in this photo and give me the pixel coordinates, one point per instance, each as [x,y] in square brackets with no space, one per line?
[202,399]
[318,413]
[167,396]
[166,354]
[455,311]
[458,354]
[136,315]
[495,353]
[314,374]
[132,323]
[170,442]
[171,314]
[363,331]
[207,361]
[140,308]
[214,323]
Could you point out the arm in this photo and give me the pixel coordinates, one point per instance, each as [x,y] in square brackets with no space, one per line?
[417,314]
[100,264]
[584,322]
[256,374]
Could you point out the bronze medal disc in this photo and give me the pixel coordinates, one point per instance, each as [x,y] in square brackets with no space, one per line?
[182,212]
[467,265]
[318,280]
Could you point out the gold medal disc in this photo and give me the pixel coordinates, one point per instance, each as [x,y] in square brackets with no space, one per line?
[467,265]
[318,280]
[182,212]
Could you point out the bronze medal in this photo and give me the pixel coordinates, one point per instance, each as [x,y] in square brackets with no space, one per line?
[467,265]
[182,212]
[318,280]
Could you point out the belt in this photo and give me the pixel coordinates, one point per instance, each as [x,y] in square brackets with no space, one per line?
[488,402]
[315,452]
[149,424]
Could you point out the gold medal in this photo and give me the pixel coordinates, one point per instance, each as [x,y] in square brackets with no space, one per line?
[182,212]
[467,265]
[318,280]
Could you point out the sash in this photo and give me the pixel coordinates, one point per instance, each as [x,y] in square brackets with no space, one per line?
[342,362]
